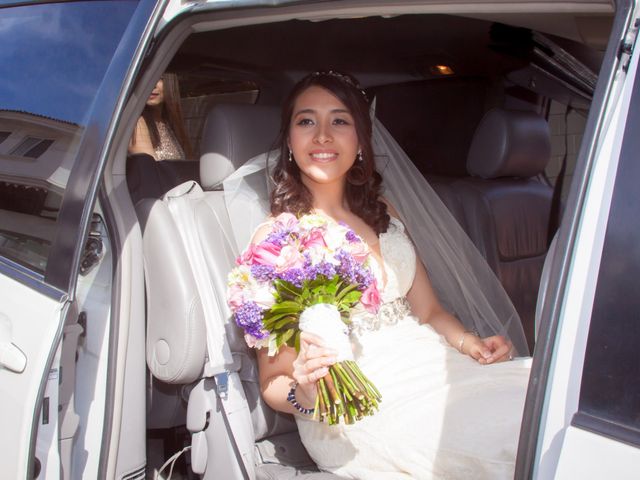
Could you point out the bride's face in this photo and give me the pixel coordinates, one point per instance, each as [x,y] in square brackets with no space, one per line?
[322,136]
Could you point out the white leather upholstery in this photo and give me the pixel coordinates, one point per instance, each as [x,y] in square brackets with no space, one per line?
[232,134]
[176,344]
[176,340]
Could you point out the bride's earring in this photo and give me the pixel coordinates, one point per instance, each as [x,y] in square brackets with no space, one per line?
[360,156]
[290,156]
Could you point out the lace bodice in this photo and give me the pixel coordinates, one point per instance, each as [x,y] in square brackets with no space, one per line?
[399,262]
[399,266]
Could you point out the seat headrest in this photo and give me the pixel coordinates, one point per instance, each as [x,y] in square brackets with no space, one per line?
[509,143]
[233,134]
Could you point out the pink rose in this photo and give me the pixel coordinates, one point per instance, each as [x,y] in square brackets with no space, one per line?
[262,254]
[234,296]
[370,298]
[359,251]
[245,257]
[313,240]
[289,257]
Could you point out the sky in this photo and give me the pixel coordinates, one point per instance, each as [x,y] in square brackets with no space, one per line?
[54,56]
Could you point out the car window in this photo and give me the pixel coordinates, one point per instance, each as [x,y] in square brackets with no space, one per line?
[52,62]
[610,389]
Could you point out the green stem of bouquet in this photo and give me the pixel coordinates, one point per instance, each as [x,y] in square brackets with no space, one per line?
[345,392]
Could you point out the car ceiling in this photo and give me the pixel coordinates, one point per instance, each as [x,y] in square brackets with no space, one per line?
[377,50]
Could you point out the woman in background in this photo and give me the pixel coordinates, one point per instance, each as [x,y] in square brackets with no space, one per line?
[160,129]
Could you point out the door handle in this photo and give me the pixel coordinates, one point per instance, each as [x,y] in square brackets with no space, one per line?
[11,357]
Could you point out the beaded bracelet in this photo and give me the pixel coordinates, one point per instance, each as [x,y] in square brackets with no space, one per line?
[291,398]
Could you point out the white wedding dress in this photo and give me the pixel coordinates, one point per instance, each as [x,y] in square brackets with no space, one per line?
[442,415]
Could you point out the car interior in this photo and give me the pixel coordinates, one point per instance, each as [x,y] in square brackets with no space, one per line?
[490,106]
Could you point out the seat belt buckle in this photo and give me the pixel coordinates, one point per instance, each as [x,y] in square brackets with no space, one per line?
[222,384]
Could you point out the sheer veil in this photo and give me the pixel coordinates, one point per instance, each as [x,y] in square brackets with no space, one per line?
[465,284]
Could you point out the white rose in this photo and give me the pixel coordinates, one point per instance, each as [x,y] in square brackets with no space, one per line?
[263,295]
[316,254]
[307,222]
[335,237]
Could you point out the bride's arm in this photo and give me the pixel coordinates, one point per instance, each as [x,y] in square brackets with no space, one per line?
[279,373]
[276,379]
[425,306]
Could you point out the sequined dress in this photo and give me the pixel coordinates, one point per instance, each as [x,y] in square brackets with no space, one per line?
[442,416]
[169,148]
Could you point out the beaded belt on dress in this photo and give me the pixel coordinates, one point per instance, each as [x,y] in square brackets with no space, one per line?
[388,314]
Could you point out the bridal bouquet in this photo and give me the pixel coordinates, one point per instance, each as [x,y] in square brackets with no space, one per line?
[307,275]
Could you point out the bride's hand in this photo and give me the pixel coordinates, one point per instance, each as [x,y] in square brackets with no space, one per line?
[490,349]
[312,363]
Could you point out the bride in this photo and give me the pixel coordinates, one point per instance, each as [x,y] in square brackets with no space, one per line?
[452,402]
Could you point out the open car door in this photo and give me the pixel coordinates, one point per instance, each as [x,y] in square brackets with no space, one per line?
[581,417]
[65,70]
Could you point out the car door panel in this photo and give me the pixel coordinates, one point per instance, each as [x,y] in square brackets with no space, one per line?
[569,444]
[66,67]
[21,399]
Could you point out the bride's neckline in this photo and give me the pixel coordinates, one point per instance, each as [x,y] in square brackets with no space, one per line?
[376,251]
[378,256]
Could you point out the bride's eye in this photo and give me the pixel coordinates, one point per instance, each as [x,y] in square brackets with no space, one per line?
[341,121]
[304,122]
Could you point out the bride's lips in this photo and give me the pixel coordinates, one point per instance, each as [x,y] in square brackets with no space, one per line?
[323,156]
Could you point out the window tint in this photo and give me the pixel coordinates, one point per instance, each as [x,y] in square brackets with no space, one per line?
[52,62]
[610,390]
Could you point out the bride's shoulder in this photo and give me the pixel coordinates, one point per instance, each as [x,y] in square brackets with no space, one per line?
[393,213]
[391,210]
[262,230]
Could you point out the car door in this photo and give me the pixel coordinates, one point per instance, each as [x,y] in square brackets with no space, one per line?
[581,417]
[65,69]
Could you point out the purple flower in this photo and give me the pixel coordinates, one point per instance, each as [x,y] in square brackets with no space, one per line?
[249,318]
[278,237]
[263,273]
[351,236]
[296,276]
[346,268]
[323,268]
[364,276]
[351,271]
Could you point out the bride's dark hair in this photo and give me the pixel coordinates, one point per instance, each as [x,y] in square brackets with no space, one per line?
[363,186]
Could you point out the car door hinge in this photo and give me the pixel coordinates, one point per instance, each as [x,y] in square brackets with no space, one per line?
[627,45]
[94,248]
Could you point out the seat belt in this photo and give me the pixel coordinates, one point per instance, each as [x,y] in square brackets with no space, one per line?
[556,199]
[180,202]
[220,362]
